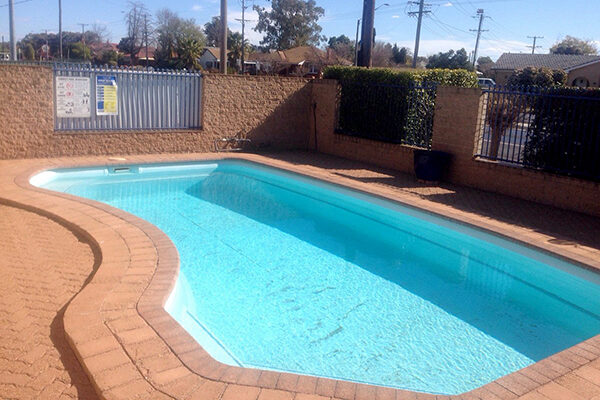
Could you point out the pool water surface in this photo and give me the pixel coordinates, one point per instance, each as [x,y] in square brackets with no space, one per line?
[287,273]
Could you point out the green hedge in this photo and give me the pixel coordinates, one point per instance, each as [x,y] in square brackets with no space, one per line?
[392,105]
[445,77]
[564,134]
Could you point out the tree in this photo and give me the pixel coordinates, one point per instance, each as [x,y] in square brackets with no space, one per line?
[343,46]
[381,55]
[573,45]
[212,30]
[79,51]
[289,23]
[138,29]
[450,60]
[178,40]
[400,55]
[29,52]
[189,50]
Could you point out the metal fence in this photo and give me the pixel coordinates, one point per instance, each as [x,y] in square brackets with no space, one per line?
[388,113]
[143,100]
[556,129]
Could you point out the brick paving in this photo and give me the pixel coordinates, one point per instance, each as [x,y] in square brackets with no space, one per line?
[131,348]
[42,266]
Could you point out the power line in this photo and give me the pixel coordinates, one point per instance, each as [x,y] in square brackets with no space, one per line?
[533,47]
[15,3]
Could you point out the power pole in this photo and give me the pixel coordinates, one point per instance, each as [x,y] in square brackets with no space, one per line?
[481,16]
[223,55]
[83,32]
[243,21]
[13,40]
[60,44]
[366,37]
[356,43]
[534,40]
[146,36]
[419,14]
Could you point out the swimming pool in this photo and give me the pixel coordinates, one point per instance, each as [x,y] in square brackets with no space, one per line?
[288,273]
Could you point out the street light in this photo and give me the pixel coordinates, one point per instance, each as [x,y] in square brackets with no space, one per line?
[357,28]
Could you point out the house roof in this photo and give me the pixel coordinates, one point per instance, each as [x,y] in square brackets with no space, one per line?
[514,61]
[142,53]
[299,55]
[215,52]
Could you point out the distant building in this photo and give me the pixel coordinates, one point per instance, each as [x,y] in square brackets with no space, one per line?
[582,71]
[210,59]
[307,61]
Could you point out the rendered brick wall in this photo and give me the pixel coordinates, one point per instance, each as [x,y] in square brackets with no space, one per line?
[388,155]
[271,111]
[455,131]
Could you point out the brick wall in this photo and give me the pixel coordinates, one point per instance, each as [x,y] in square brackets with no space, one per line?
[455,131]
[388,155]
[271,111]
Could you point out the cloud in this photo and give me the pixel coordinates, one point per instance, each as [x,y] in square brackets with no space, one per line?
[448,4]
[395,16]
[196,7]
[235,24]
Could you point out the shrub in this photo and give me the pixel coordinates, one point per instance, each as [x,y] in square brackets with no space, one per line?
[392,105]
[564,135]
[539,77]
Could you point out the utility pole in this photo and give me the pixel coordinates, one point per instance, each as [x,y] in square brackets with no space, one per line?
[60,44]
[356,43]
[223,55]
[146,36]
[243,21]
[419,15]
[13,40]
[83,32]
[366,37]
[481,16]
[534,40]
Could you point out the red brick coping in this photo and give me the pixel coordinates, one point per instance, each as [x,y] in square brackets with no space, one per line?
[132,348]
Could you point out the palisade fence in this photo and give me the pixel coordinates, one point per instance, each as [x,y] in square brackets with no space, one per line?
[551,129]
[388,113]
[146,99]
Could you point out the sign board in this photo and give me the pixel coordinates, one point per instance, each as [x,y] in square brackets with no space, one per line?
[106,95]
[73,97]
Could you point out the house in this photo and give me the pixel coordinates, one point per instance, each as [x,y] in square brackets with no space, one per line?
[582,71]
[210,59]
[305,61]
[144,58]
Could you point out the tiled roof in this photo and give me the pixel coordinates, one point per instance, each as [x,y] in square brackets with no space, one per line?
[298,55]
[514,61]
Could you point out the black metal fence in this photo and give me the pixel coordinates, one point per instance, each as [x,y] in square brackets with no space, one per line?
[556,130]
[387,113]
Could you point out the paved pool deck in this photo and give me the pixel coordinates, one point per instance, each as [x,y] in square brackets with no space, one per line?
[82,287]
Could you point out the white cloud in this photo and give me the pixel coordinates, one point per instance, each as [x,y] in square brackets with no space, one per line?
[196,7]
[448,4]
[395,16]
[235,24]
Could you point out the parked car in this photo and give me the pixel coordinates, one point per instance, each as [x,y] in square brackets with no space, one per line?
[486,83]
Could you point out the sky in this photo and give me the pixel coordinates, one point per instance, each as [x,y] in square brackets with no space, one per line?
[447,25]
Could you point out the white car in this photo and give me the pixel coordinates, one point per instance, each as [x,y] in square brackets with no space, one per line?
[486,83]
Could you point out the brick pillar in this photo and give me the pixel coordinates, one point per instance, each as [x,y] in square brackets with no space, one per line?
[455,125]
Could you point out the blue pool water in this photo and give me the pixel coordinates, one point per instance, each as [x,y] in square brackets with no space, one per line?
[286,273]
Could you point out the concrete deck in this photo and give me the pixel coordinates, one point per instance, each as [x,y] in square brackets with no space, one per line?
[79,278]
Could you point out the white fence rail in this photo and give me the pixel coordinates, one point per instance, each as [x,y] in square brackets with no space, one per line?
[145,99]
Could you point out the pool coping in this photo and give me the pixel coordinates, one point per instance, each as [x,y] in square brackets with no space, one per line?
[139,267]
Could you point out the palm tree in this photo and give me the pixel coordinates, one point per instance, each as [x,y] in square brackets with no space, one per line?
[189,50]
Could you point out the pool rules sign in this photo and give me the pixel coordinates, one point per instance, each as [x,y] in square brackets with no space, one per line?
[73,97]
[106,95]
